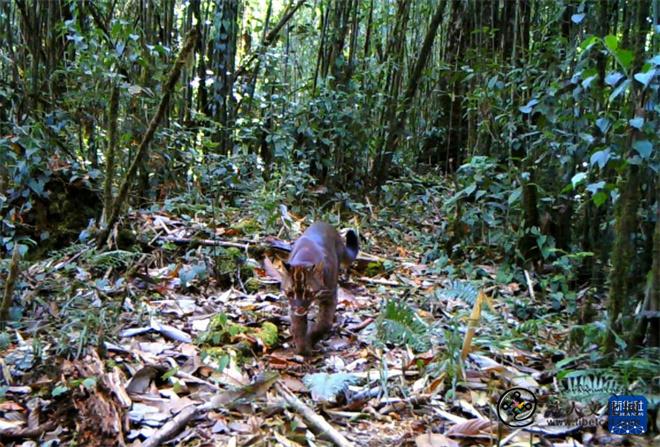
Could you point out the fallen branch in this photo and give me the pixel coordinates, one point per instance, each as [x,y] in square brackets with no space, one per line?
[383,282]
[219,400]
[401,405]
[311,417]
[172,427]
[209,242]
[28,432]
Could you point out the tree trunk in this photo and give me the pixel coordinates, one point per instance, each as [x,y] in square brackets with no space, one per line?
[168,88]
[397,122]
[624,281]
[223,60]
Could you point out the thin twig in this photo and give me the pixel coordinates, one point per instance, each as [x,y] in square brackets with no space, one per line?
[311,417]
[530,286]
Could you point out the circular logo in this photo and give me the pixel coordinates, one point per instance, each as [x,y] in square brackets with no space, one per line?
[516,407]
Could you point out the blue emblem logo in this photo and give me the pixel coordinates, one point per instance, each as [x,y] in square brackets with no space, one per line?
[627,415]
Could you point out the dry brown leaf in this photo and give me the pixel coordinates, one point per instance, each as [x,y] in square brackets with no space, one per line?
[279,361]
[271,270]
[435,440]
[10,405]
[472,428]
[293,383]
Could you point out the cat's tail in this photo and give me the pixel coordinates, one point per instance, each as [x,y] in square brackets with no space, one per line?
[352,246]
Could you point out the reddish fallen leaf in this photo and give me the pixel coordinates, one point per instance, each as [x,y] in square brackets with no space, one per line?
[425,358]
[276,361]
[293,383]
[10,405]
[472,428]
[346,298]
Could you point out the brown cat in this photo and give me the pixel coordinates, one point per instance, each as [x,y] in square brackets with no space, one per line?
[311,274]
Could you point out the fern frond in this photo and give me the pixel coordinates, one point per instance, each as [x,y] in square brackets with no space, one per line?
[585,387]
[67,251]
[462,290]
[115,258]
[399,324]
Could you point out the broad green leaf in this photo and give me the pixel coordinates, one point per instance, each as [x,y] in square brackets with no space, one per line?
[528,107]
[587,138]
[600,158]
[470,189]
[620,89]
[643,148]
[578,178]
[89,383]
[624,57]
[645,78]
[577,18]
[599,198]
[515,195]
[603,124]
[119,48]
[59,390]
[593,188]
[636,122]
[611,42]
[587,82]
[22,249]
[613,78]
[588,42]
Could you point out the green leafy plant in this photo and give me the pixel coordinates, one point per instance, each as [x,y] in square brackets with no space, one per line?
[399,324]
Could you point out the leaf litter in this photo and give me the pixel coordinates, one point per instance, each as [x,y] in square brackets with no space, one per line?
[186,342]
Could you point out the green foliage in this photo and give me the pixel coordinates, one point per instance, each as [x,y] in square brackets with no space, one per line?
[462,290]
[114,258]
[399,324]
[449,360]
[267,334]
[220,331]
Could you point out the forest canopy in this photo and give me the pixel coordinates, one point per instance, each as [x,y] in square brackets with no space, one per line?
[483,150]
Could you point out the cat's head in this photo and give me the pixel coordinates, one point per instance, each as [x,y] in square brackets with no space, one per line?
[301,284]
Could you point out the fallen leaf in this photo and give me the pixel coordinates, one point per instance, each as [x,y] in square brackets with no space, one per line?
[435,440]
[472,428]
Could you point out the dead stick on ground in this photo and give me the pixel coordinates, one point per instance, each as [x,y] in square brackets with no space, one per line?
[172,427]
[206,242]
[383,282]
[311,417]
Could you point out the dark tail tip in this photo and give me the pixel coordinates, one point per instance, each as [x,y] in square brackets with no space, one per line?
[352,245]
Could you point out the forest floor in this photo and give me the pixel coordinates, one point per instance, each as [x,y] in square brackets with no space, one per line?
[193,335]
